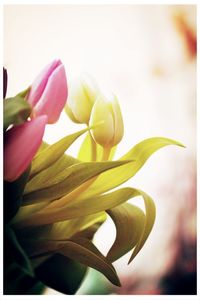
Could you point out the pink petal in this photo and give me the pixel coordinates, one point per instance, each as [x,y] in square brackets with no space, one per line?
[54,96]
[40,82]
[21,144]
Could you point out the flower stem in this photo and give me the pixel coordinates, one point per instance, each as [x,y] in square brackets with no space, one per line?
[93,148]
[106,153]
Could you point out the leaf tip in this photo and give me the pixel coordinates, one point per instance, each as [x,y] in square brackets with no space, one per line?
[130,260]
[177,143]
[117,282]
[181,145]
[132,257]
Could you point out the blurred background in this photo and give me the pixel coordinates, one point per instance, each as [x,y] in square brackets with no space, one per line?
[146,55]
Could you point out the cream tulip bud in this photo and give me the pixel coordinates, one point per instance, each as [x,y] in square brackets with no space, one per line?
[82,95]
[107,111]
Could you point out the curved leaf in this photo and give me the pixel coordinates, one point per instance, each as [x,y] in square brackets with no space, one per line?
[52,153]
[149,222]
[79,208]
[85,252]
[70,179]
[129,221]
[25,211]
[90,228]
[79,249]
[16,110]
[89,206]
[84,227]
[139,154]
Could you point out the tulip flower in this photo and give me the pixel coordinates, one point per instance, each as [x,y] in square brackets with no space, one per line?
[48,93]
[82,95]
[111,131]
[21,144]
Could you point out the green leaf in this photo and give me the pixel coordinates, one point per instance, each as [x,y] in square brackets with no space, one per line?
[52,153]
[52,173]
[79,208]
[61,273]
[43,146]
[85,152]
[129,221]
[149,222]
[13,252]
[25,211]
[70,179]
[79,249]
[101,203]
[83,227]
[86,253]
[92,224]
[16,110]
[89,206]
[139,154]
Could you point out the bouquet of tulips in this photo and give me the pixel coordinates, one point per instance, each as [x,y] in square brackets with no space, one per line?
[55,203]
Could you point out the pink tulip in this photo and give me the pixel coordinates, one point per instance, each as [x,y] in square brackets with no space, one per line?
[21,144]
[48,93]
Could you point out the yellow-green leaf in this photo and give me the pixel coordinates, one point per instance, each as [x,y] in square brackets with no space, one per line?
[81,227]
[85,152]
[85,207]
[129,222]
[89,231]
[149,222]
[79,208]
[70,179]
[79,249]
[52,173]
[83,251]
[139,153]
[52,153]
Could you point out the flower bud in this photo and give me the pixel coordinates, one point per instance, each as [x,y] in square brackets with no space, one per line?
[111,131]
[48,93]
[82,95]
[21,144]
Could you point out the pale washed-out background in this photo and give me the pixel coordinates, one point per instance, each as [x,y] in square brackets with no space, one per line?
[146,56]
